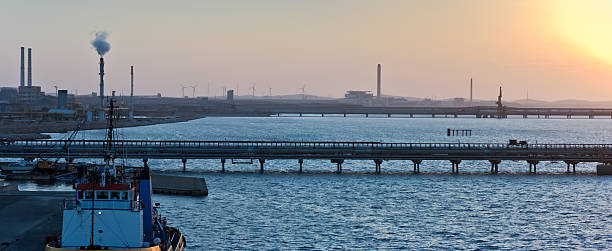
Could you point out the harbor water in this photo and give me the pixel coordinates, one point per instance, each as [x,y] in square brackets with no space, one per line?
[282,209]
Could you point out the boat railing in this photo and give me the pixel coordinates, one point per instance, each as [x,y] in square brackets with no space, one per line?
[103,204]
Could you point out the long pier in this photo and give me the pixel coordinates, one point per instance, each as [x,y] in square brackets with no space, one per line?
[475,111]
[336,152]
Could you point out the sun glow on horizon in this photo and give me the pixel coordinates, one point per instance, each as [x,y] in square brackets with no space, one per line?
[587,23]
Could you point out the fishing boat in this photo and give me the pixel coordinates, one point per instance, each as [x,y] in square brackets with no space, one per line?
[21,166]
[112,209]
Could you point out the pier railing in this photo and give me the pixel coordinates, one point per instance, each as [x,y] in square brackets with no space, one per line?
[58,144]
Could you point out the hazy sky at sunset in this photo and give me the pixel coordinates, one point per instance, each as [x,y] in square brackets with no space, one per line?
[558,49]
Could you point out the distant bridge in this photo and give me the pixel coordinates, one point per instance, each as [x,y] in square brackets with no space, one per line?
[336,152]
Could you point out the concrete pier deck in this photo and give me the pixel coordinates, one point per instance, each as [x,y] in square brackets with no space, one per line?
[29,217]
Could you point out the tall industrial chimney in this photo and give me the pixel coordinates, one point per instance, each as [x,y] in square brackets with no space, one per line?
[470,91]
[22,75]
[378,83]
[101,118]
[29,66]
[132,92]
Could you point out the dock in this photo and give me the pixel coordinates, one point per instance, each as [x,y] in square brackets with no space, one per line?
[179,185]
[335,151]
[32,216]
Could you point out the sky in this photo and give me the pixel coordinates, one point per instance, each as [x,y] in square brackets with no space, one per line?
[555,49]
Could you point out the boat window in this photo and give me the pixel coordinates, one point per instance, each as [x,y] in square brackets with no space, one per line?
[88,195]
[80,195]
[102,195]
[114,196]
[124,195]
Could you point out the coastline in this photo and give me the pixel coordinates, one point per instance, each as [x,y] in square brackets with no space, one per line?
[37,130]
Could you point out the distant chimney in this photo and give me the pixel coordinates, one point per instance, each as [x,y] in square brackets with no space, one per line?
[470,90]
[132,92]
[378,83]
[22,74]
[29,66]
[101,112]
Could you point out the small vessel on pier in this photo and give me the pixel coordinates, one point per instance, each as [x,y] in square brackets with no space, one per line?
[113,209]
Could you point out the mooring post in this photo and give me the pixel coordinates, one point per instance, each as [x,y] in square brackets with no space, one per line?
[261,165]
[378,162]
[184,165]
[301,161]
[222,165]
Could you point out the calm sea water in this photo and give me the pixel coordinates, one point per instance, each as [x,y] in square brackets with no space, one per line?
[396,210]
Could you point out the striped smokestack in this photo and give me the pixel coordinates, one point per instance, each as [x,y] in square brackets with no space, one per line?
[22,74]
[29,66]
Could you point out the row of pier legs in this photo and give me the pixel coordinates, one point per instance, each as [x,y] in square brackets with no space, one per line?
[455,163]
[495,166]
[416,165]
[573,163]
[534,164]
[339,164]
[378,163]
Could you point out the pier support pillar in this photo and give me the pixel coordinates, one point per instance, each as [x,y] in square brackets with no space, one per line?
[534,164]
[184,165]
[301,161]
[378,163]
[345,115]
[144,161]
[339,164]
[411,115]
[455,163]
[300,115]
[574,166]
[416,165]
[222,165]
[388,115]
[567,162]
[322,114]
[261,165]
[495,165]
[367,115]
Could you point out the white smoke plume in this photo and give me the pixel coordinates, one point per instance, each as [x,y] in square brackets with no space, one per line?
[100,43]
